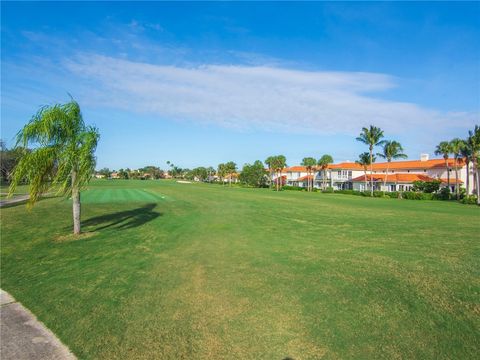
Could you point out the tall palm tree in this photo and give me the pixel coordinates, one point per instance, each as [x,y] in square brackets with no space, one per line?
[309,163]
[364,161]
[279,164]
[391,150]
[466,153]
[456,147]
[230,168]
[473,142]
[64,157]
[323,162]
[444,149]
[221,172]
[372,137]
[270,161]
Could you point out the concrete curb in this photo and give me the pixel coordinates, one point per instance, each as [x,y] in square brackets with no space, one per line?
[23,337]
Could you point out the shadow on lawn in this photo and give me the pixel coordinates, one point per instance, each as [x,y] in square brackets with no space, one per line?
[123,219]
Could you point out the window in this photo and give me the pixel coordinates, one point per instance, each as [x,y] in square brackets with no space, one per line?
[350,174]
[392,187]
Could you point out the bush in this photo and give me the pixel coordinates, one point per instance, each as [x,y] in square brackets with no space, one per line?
[469,199]
[413,195]
[393,194]
[296,188]
[443,194]
[328,190]
[427,186]
[378,193]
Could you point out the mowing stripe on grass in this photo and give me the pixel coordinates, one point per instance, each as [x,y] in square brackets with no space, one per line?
[119,195]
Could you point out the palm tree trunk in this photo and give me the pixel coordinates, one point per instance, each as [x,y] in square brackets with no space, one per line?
[456,180]
[371,171]
[448,173]
[385,181]
[76,205]
[468,178]
[366,186]
[477,180]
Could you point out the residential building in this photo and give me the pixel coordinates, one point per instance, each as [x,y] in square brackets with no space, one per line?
[400,177]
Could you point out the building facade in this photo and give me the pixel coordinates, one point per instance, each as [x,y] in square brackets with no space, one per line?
[386,176]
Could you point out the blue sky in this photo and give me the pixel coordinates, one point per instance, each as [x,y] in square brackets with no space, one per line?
[204,83]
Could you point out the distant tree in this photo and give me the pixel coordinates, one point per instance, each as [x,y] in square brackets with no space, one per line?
[199,173]
[456,146]
[9,158]
[309,163]
[122,174]
[153,172]
[64,155]
[372,137]
[279,163]
[323,163]
[270,162]
[105,172]
[364,161]
[466,153]
[210,172]
[392,150]
[221,172]
[231,169]
[254,175]
[444,148]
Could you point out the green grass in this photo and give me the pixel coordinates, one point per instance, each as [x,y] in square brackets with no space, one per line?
[193,271]
[20,190]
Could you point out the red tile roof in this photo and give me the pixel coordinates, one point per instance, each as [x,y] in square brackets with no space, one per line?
[296,169]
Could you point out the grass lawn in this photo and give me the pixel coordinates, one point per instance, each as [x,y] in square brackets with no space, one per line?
[195,271]
[20,190]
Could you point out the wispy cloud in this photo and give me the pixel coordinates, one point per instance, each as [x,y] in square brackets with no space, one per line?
[256,97]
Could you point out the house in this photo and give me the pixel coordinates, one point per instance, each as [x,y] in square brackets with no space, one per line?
[400,175]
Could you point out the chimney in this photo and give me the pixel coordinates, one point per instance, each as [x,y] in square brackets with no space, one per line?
[423,157]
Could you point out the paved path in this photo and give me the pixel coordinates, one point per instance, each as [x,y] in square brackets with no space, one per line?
[14,200]
[23,337]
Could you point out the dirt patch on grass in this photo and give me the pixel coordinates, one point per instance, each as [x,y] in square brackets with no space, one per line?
[73,237]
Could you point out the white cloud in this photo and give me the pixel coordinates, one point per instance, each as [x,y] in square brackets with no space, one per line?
[256,97]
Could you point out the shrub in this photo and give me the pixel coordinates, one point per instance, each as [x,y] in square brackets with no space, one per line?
[469,199]
[328,190]
[393,194]
[427,186]
[296,188]
[413,195]
[443,194]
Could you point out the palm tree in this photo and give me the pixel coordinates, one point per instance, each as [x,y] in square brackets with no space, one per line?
[270,161]
[364,161]
[444,149]
[221,172]
[372,137]
[466,153]
[323,162]
[230,168]
[391,150]
[456,147]
[309,163]
[64,157]
[280,162]
[473,142]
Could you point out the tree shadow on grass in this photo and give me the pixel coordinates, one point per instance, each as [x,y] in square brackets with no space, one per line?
[123,220]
